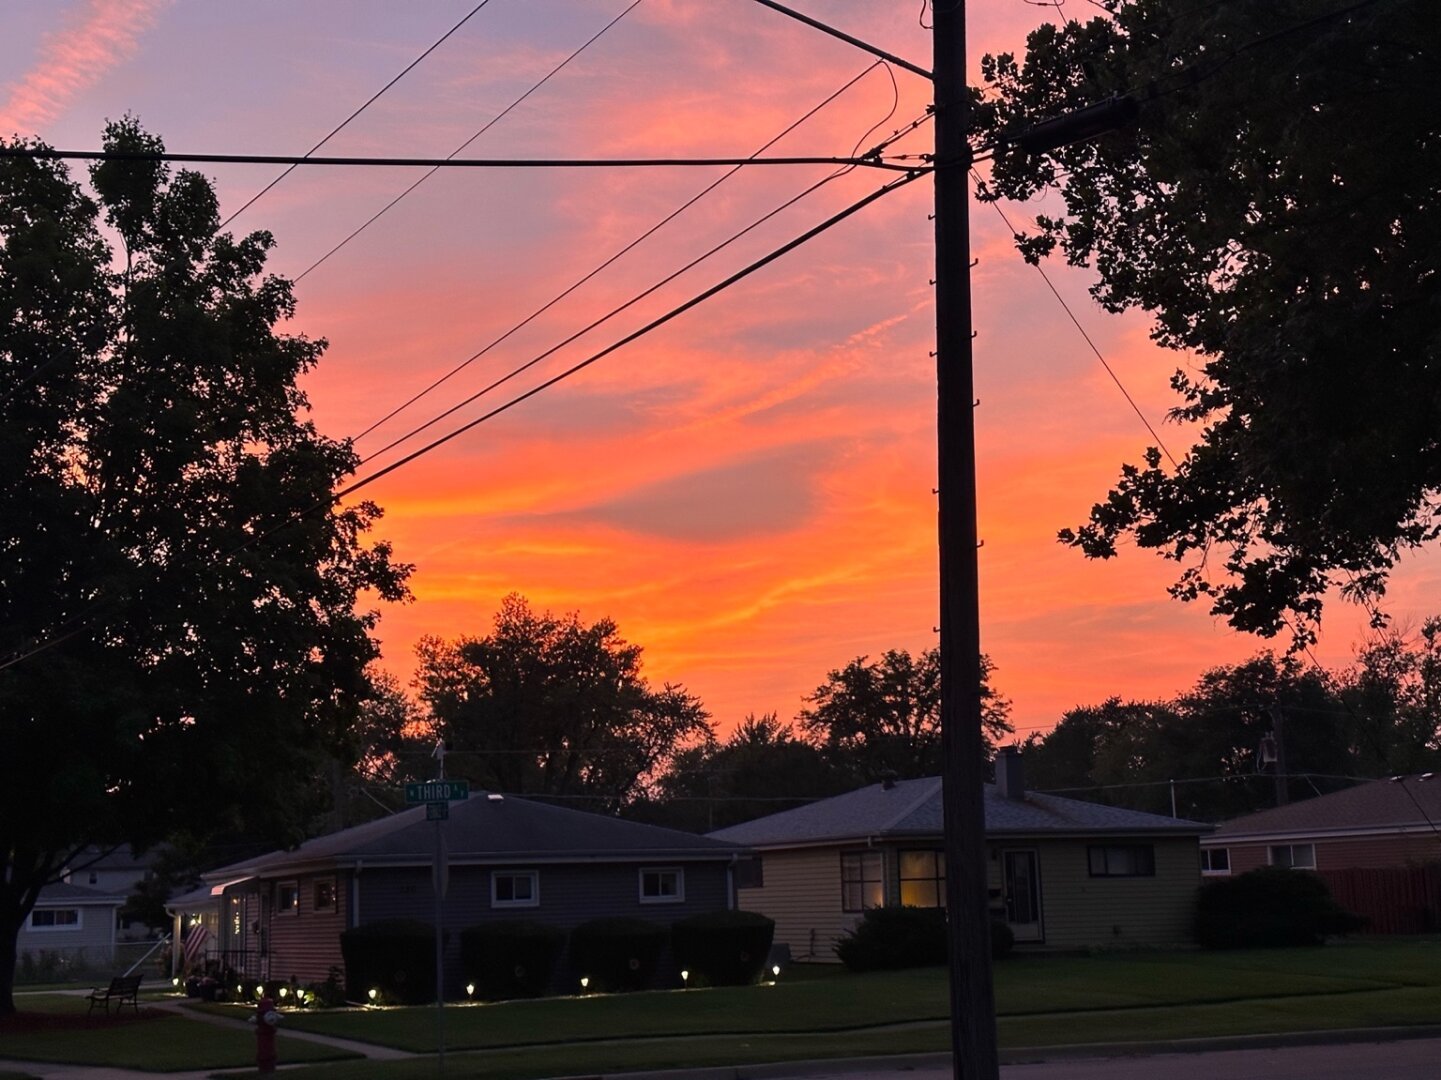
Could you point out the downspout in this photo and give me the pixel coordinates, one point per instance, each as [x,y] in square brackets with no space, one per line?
[353,919]
[732,901]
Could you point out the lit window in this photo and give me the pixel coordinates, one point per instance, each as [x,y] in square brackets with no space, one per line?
[515,888]
[662,886]
[1215,860]
[1294,856]
[55,919]
[287,898]
[1122,860]
[862,880]
[923,878]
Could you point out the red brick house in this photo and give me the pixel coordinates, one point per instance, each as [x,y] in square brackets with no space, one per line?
[1378,845]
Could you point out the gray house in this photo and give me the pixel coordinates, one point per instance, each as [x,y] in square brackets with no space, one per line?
[1063,873]
[71,921]
[280,916]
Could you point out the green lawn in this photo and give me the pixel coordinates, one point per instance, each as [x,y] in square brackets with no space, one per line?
[1080,998]
[1042,1001]
[152,1040]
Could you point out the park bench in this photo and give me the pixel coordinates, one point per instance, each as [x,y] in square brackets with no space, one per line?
[122,988]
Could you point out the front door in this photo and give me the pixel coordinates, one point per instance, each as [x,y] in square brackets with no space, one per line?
[1022,894]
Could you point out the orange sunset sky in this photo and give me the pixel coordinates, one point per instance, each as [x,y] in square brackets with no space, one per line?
[748,491]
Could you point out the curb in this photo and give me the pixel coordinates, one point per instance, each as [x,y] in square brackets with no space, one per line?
[1024,1055]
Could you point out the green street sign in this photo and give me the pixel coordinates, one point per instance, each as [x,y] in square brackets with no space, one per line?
[431,791]
[437,811]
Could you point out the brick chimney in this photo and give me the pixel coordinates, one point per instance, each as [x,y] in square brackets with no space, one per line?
[1010,773]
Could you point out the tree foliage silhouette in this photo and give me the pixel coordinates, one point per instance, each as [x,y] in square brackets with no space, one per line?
[1277,209]
[187,642]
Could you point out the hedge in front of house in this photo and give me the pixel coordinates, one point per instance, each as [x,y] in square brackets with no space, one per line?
[1269,906]
[617,954]
[895,937]
[510,959]
[395,957]
[906,937]
[723,948]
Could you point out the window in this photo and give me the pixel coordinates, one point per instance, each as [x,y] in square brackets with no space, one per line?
[515,888]
[1294,856]
[55,919]
[1123,860]
[1215,860]
[862,880]
[923,878]
[325,894]
[662,886]
[287,898]
[750,873]
[95,877]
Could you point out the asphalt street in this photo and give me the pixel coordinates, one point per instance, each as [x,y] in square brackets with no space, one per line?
[1412,1059]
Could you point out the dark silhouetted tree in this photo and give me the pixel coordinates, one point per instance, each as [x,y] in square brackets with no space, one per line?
[546,705]
[761,768]
[882,718]
[1277,209]
[178,595]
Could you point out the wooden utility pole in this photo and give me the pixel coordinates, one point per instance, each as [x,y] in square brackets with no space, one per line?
[973,1010]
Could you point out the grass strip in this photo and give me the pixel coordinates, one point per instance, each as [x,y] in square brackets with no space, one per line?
[59,1029]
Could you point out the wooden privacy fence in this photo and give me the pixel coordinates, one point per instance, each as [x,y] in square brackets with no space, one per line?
[1396,900]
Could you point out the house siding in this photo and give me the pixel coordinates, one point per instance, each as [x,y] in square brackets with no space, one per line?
[569,895]
[1080,911]
[305,945]
[92,940]
[1359,852]
[802,893]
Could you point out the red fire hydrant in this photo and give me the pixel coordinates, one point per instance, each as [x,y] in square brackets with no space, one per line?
[267,1018]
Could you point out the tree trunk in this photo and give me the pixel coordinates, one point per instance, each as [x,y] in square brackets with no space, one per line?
[9,935]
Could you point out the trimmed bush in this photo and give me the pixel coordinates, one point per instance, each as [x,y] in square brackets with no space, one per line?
[895,937]
[510,959]
[617,954]
[723,948]
[1269,906]
[396,957]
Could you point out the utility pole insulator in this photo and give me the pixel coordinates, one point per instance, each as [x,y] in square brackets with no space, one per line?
[1079,126]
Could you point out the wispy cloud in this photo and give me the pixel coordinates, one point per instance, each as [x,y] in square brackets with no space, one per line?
[92,39]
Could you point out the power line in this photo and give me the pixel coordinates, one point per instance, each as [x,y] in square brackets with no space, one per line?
[809,234]
[369,101]
[47,153]
[606,317]
[864,46]
[981,186]
[497,118]
[617,255]
[654,324]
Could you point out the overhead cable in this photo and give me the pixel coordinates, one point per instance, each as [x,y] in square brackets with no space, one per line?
[614,257]
[369,102]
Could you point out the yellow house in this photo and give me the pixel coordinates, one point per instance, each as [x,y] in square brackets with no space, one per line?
[1064,874]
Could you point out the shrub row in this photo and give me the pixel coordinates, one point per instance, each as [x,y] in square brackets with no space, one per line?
[1269,906]
[520,958]
[904,937]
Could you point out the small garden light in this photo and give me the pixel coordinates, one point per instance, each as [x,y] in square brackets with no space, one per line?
[685,976]
[470,989]
[175,981]
[239,989]
[260,991]
[775,971]
[584,981]
[284,990]
[373,993]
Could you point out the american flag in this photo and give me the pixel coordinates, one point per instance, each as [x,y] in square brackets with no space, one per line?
[195,945]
